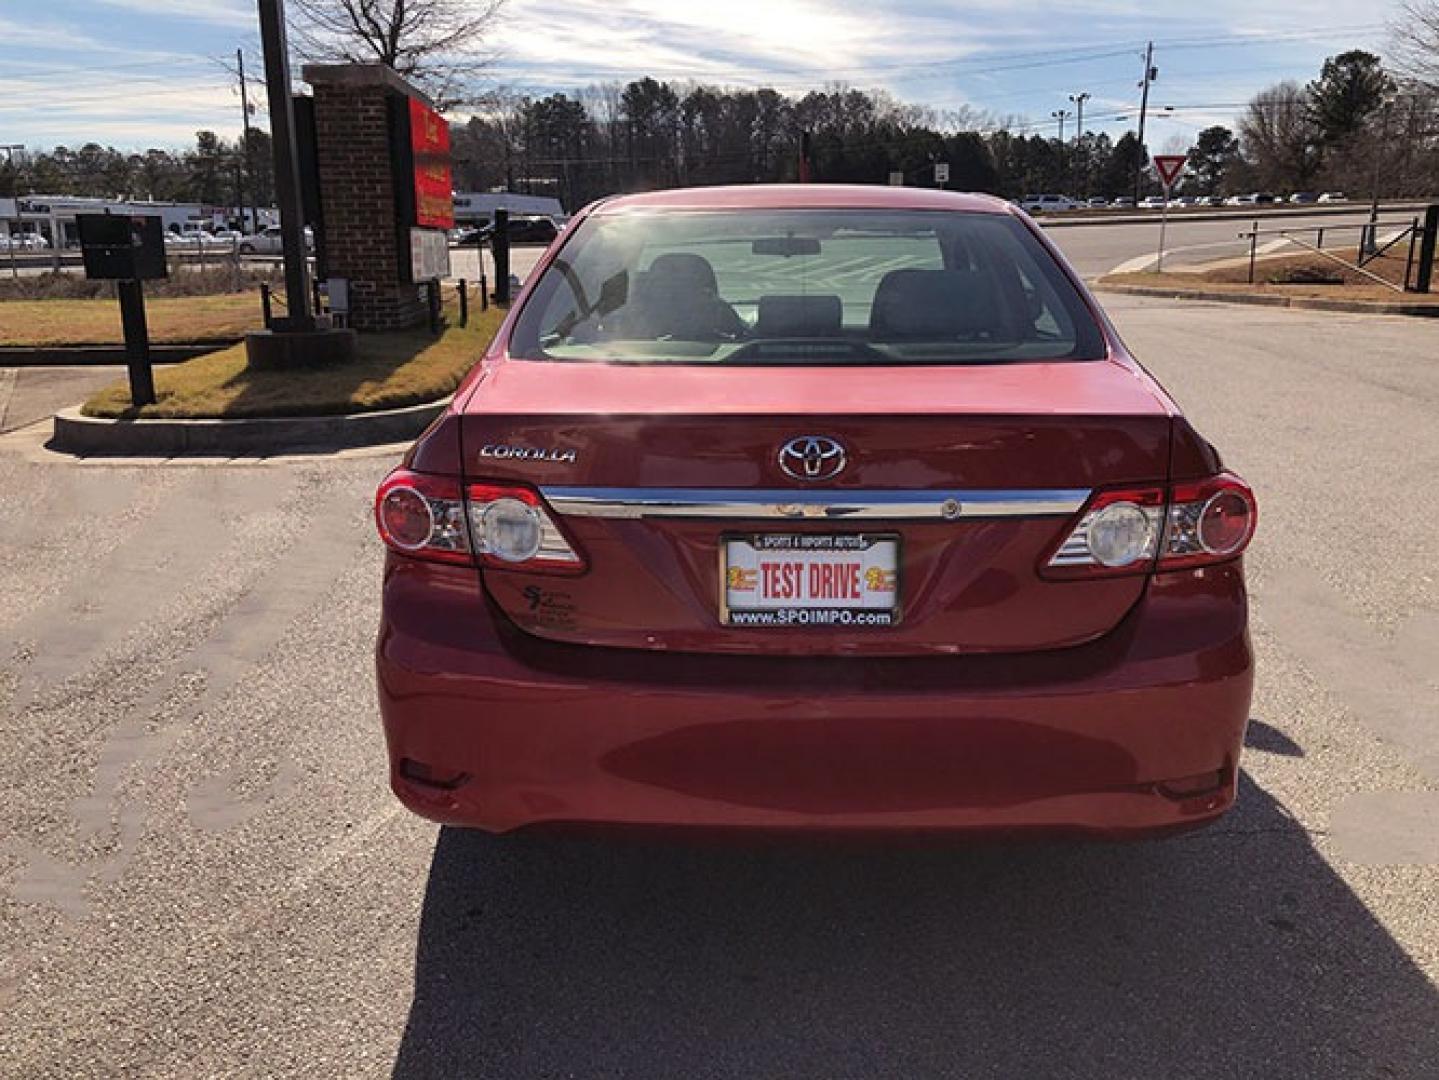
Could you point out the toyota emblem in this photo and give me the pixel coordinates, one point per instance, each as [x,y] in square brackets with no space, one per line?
[812,457]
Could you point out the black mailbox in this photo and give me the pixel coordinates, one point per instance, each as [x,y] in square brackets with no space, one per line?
[119,247]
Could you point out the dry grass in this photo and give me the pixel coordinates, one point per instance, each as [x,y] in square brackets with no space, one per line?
[391,371]
[181,319]
[1284,275]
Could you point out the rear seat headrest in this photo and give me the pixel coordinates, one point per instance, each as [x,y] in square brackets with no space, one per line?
[799,316]
[922,303]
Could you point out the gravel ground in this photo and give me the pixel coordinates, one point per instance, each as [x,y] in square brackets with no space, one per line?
[203,874]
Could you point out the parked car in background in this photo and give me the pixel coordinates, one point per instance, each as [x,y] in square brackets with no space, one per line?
[1187,200]
[1333,197]
[1153,202]
[1123,202]
[1096,202]
[270,241]
[1264,198]
[1211,200]
[1241,200]
[705,540]
[1047,204]
[1304,197]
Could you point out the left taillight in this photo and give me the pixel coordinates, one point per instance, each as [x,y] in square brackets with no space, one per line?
[1153,529]
[498,525]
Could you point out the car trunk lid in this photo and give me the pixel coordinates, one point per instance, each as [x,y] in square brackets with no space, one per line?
[956,483]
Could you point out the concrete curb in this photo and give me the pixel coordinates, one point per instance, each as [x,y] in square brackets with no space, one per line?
[88,435]
[86,355]
[1314,303]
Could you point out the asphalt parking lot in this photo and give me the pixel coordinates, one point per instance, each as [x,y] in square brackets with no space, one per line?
[202,872]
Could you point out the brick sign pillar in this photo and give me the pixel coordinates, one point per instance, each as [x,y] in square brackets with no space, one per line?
[367,176]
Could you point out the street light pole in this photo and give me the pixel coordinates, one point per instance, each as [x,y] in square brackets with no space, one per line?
[1079,100]
[1061,115]
[1370,236]
[287,167]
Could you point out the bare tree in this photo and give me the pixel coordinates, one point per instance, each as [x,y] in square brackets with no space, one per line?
[436,43]
[1415,41]
[1280,138]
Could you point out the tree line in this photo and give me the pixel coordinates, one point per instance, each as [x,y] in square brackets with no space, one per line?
[1355,126]
[650,134]
[215,171]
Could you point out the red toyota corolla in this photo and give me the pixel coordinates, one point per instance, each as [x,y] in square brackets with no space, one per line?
[819,508]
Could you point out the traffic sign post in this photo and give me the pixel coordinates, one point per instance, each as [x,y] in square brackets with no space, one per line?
[941,173]
[1168,166]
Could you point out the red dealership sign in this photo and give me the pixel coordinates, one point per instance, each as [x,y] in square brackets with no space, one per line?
[430,148]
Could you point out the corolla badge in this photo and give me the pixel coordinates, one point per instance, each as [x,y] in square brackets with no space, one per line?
[528,453]
[812,457]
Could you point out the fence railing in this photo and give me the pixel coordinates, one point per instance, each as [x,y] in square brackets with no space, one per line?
[1375,238]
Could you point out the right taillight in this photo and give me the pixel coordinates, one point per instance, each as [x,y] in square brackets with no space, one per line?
[1208,521]
[1150,529]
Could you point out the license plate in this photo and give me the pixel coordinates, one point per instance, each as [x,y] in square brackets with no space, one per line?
[805,579]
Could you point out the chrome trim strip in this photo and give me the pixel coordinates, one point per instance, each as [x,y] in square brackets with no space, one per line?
[831,504]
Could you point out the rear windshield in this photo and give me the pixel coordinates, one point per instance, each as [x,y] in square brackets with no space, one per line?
[804,287]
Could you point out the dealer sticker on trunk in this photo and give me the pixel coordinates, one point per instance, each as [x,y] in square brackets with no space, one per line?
[805,579]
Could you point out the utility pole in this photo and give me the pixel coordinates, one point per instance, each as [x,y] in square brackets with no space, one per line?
[245,151]
[287,164]
[1150,74]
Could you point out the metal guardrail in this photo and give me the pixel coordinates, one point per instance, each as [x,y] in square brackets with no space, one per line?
[1369,247]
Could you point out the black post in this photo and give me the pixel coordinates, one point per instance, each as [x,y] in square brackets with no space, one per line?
[137,342]
[1409,259]
[265,303]
[464,303]
[1426,249]
[287,163]
[500,247]
[1253,247]
[432,298]
[484,288]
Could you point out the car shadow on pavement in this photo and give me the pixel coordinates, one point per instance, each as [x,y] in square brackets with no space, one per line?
[1235,952]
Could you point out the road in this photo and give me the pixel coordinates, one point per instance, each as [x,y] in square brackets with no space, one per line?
[1095,250]
[203,874]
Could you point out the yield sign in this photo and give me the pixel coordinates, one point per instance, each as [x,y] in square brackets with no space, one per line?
[1169,166]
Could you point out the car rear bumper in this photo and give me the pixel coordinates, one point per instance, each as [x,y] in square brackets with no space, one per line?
[491,727]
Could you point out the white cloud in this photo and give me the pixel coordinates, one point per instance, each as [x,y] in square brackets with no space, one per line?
[233,13]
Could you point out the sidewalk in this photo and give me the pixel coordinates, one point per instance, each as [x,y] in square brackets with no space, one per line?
[28,394]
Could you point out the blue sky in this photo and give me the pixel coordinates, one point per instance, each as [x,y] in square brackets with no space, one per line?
[138,73]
